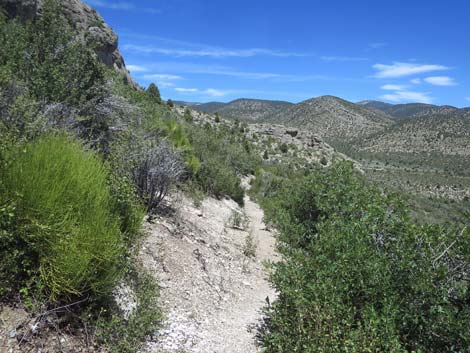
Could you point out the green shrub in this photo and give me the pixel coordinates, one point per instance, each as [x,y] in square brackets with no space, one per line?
[126,205]
[358,275]
[47,56]
[223,158]
[60,233]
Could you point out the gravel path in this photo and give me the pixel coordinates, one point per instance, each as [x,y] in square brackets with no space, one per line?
[211,292]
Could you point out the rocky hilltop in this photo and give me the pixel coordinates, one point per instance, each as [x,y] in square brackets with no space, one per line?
[85,21]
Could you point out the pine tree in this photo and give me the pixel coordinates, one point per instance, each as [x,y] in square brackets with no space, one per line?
[154,92]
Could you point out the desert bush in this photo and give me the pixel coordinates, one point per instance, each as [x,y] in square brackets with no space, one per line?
[223,158]
[44,54]
[126,205]
[58,231]
[159,170]
[358,275]
[249,247]
[238,220]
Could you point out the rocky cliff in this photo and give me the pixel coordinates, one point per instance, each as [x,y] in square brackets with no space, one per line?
[85,21]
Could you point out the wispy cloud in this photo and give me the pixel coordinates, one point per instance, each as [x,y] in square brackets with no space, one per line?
[416,81]
[467,98]
[342,58]
[209,92]
[120,5]
[440,81]
[162,80]
[136,68]
[390,87]
[407,96]
[221,70]
[399,69]
[377,45]
[213,52]
[186,90]
[401,94]
[111,5]
[162,77]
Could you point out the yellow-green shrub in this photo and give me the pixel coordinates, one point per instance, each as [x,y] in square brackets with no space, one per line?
[61,231]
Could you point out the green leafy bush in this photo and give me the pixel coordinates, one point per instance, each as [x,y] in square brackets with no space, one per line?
[49,58]
[358,276]
[58,228]
[126,205]
[223,159]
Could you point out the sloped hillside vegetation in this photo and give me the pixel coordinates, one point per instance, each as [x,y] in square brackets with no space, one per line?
[358,275]
[84,154]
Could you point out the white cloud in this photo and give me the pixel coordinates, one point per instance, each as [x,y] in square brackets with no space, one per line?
[393,87]
[377,45]
[136,68]
[210,92]
[162,80]
[186,90]
[342,58]
[220,70]
[416,81]
[215,92]
[162,77]
[440,81]
[120,5]
[112,5]
[399,69]
[207,51]
[407,96]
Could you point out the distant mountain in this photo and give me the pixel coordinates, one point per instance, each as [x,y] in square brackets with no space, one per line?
[210,107]
[410,110]
[447,134]
[243,108]
[186,104]
[332,118]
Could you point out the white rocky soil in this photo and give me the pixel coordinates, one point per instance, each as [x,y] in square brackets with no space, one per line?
[211,292]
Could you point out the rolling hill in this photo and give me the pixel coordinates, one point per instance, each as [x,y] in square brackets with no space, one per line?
[332,118]
[243,108]
[446,134]
[409,110]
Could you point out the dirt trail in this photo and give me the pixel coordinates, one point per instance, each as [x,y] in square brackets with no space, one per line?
[211,292]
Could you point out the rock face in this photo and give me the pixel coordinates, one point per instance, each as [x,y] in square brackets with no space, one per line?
[85,21]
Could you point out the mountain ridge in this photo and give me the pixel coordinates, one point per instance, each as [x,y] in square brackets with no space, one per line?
[244,108]
[411,110]
[332,118]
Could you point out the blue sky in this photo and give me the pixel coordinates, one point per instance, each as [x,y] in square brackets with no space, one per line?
[217,50]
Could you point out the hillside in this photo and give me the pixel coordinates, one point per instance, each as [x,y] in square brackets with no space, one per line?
[410,110]
[444,134]
[129,223]
[332,118]
[245,109]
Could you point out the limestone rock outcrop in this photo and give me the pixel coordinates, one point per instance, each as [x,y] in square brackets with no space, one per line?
[85,21]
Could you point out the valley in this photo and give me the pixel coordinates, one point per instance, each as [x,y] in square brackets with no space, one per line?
[421,151]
